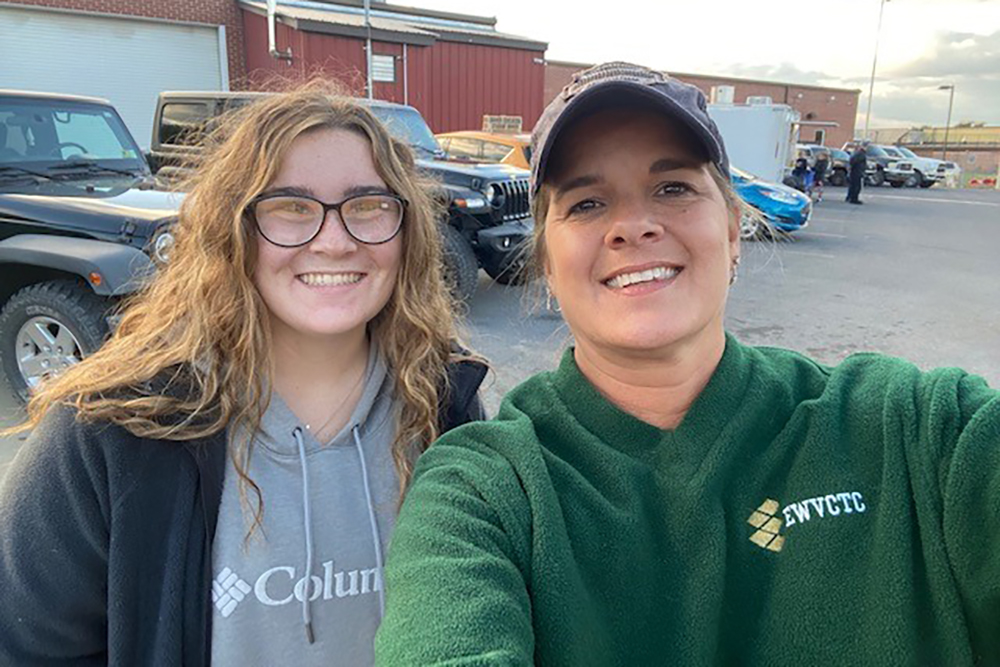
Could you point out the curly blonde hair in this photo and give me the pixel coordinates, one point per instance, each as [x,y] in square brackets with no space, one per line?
[191,354]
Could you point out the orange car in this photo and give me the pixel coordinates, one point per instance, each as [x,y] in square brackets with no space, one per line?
[512,149]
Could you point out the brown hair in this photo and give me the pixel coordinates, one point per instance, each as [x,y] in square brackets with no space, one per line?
[191,355]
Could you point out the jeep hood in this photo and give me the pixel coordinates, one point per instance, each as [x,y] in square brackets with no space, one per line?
[483,171]
[77,208]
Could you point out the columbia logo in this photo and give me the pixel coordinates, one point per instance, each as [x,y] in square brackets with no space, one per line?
[767,536]
[228,590]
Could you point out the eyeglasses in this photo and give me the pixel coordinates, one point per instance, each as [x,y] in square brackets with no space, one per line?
[291,221]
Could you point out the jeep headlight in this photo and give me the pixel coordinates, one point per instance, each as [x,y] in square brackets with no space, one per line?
[495,195]
[162,245]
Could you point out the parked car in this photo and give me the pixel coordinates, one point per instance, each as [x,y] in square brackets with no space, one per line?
[80,227]
[783,208]
[512,149]
[840,165]
[929,170]
[488,218]
[884,165]
[836,172]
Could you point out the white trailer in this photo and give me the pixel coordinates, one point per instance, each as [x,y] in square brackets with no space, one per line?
[760,138]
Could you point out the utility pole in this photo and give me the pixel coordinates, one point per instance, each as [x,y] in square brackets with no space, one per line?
[947,125]
[368,48]
[871,85]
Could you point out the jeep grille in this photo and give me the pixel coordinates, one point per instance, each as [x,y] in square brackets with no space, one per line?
[515,203]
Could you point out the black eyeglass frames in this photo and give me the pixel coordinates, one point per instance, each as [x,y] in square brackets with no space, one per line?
[290,221]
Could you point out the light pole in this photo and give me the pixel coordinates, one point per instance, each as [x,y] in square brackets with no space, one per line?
[871,85]
[947,126]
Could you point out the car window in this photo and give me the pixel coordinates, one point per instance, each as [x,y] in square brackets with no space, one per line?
[466,147]
[876,151]
[892,152]
[184,123]
[406,124]
[77,131]
[495,152]
[906,151]
[43,130]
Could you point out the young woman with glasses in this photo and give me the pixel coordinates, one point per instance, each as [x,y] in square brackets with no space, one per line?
[219,481]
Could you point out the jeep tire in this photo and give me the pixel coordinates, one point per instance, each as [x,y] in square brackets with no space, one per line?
[461,269]
[45,328]
[838,178]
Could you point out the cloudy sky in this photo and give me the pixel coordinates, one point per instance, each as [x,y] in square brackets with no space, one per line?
[923,44]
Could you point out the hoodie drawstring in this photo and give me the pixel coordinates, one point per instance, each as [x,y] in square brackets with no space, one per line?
[307,518]
[371,518]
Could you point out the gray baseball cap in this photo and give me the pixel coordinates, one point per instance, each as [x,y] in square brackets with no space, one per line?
[613,82]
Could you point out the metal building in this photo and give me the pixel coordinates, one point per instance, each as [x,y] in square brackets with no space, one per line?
[454,68]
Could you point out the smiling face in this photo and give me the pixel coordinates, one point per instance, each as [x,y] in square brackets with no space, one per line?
[333,285]
[638,240]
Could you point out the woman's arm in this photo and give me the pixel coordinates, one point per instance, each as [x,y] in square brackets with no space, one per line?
[455,581]
[969,416]
[54,513]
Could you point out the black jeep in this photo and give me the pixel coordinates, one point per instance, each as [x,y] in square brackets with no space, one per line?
[80,226]
[488,214]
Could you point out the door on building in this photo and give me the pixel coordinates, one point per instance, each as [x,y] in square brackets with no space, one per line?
[126,60]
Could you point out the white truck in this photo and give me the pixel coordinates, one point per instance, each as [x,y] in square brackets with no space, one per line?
[928,170]
[760,138]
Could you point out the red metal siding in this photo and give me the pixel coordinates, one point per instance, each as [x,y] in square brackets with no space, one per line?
[452,84]
[468,81]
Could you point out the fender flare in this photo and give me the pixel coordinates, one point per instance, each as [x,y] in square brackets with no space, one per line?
[123,269]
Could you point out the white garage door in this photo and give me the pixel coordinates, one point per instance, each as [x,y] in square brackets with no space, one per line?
[125,60]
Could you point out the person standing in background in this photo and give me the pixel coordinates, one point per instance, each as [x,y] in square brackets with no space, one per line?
[859,164]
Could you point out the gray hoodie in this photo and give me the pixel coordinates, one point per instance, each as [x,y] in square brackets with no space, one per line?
[328,510]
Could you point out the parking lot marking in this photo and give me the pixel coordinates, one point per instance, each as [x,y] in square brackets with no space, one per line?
[938,201]
[810,254]
[826,234]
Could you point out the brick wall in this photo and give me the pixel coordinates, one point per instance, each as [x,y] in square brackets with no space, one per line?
[813,103]
[215,12]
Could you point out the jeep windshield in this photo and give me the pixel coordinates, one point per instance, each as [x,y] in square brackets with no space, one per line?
[65,140]
[406,124]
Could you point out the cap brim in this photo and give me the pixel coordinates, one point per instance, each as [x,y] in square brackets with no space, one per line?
[593,98]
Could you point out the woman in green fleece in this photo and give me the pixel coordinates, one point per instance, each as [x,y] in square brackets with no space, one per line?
[669,495]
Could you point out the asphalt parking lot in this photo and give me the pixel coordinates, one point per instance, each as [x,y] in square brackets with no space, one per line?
[912,273]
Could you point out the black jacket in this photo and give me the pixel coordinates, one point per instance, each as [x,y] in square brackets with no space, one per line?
[105,541]
[858,162]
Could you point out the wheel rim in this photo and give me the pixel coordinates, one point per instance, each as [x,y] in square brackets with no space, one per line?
[749,227]
[45,348]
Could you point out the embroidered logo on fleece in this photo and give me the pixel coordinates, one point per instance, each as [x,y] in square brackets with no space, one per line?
[768,525]
[228,590]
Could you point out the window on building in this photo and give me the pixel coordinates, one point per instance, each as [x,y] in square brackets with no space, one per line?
[820,137]
[183,123]
[383,68]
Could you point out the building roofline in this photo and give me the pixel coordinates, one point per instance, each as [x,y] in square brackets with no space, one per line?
[722,76]
[415,11]
[397,29]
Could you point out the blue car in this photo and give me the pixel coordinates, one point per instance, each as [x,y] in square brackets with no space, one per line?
[783,207]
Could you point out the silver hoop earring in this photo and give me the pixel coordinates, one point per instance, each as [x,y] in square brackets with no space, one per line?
[734,271]
[549,300]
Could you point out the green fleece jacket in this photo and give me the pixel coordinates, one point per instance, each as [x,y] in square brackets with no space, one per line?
[799,515]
